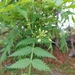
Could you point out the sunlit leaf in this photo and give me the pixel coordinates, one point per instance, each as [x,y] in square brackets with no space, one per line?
[68,0]
[71,6]
[8,8]
[25,0]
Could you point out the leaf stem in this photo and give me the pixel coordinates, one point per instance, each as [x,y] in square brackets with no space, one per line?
[31,57]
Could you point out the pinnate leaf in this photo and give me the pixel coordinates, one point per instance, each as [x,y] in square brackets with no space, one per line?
[20,64]
[40,65]
[42,53]
[26,41]
[23,51]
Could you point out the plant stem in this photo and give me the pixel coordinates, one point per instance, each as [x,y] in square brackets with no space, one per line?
[31,57]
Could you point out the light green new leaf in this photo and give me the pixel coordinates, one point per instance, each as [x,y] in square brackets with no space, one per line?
[20,64]
[2,10]
[26,41]
[48,0]
[8,8]
[42,53]
[40,65]
[68,0]
[22,1]
[71,6]
[1,4]
[23,51]
[58,2]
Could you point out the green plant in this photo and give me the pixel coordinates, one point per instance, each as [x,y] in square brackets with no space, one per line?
[31,60]
[25,26]
[28,24]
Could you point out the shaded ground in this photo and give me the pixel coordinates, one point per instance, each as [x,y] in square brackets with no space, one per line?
[62,68]
[65,65]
